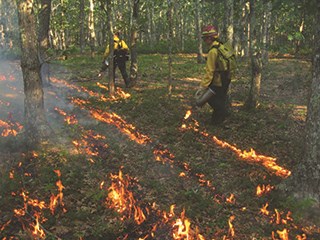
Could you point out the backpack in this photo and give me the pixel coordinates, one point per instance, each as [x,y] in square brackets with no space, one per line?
[226,59]
[121,53]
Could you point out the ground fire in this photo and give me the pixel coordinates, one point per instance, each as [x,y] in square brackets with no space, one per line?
[121,188]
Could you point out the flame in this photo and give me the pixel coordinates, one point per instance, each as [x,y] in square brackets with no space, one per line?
[55,199]
[231,231]
[121,199]
[264,210]
[10,128]
[38,232]
[263,189]
[231,199]
[122,125]
[11,174]
[181,227]
[250,156]
[188,114]
[284,235]
[302,237]
[68,119]
[163,155]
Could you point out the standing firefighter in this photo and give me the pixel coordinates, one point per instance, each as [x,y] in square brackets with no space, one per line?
[120,56]
[214,86]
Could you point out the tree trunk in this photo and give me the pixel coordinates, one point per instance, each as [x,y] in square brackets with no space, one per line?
[81,19]
[170,36]
[266,31]
[111,45]
[200,58]
[62,34]
[91,28]
[133,47]
[229,18]
[307,177]
[7,23]
[44,23]
[245,25]
[301,27]
[35,119]
[256,64]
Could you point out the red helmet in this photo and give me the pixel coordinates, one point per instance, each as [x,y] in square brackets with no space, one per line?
[209,30]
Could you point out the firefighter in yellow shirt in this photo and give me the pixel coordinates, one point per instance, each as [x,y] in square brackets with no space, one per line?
[214,85]
[120,57]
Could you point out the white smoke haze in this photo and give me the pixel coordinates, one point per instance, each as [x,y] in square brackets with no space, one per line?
[11,91]
[12,100]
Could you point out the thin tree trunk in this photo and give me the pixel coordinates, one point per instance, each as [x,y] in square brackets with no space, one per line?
[62,43]
[170,36]
[2,35]
[44,23]
[229,18]
[301,27]
[111,45]
[245,24]
[35,119]
[91,28]
[133,47]
[266,31]
[200,58]
[256,64]
[81,19]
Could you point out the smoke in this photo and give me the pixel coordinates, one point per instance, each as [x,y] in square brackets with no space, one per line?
[12,97]
[11,91]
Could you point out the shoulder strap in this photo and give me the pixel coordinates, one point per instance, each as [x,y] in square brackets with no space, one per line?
[119,42]
[215,46]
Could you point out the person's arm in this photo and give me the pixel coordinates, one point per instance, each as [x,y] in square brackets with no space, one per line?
[124,45]
[210,68]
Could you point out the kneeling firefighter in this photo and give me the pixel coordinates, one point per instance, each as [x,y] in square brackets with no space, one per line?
[214,86]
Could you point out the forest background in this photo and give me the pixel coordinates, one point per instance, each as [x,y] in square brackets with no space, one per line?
[82,158]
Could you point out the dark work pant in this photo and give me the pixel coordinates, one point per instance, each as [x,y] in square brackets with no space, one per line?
[218,101]
[121,64]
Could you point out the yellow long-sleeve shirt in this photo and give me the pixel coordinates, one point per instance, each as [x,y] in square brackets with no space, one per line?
[211,65]
[118,44]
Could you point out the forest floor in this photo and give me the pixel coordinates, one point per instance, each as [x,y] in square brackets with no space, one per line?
[141,165]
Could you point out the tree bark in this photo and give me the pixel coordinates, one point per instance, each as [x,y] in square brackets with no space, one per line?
[200,58]
[256,64]
[170,36]
[229,18]
[91,28]
[133,47]
[44,23]
[111,45]
[307,177]
[266,31]
[36,128]
[81,19]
